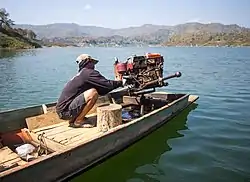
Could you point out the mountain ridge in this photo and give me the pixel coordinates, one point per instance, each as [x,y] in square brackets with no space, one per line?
[75,30]
[186,34]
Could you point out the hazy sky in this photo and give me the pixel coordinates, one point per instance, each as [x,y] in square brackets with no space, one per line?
[124,13]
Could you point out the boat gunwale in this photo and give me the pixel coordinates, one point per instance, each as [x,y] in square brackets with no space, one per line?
[69,148]
[34,106]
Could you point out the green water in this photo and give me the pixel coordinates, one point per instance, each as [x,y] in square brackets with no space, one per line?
[207,142]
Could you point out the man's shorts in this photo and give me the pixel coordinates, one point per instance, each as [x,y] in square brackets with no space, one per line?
[74,109]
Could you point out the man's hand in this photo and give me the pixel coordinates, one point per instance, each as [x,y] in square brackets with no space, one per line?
[160,79]
[124,81]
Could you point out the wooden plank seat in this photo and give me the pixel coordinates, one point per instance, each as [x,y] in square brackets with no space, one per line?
[56,132]
[50,116]
[9,159]
[60,136]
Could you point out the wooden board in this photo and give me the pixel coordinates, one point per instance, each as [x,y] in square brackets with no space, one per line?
[63,135]
[45,143]
[9,159]
[50,116]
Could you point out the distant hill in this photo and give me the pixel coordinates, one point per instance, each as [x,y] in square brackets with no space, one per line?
[62,30]
[75,30]
[210,28]
[71,34]
[209,35]
[182,34]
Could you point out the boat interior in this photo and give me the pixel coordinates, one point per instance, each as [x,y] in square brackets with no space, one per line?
[48,134]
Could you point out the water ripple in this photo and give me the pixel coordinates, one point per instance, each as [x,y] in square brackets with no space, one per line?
[209,144]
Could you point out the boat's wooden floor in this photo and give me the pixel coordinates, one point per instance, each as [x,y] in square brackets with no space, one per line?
[8,159]
[66,136]
[63,136]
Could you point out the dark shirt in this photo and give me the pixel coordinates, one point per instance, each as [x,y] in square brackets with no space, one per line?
[82,81]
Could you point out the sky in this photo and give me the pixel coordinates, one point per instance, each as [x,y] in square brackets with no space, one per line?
[127,13]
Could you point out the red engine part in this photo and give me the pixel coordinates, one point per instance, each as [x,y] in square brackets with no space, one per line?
[12,138]
[130,66]
[153,55]
[121,67]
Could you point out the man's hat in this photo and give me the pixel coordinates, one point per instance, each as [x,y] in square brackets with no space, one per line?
[85,57]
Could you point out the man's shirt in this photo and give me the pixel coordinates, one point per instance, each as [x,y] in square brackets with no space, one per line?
[82,81]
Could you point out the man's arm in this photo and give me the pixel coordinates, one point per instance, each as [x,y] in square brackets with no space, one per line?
[102,84]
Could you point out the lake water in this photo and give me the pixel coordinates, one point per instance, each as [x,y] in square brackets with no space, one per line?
[208,142]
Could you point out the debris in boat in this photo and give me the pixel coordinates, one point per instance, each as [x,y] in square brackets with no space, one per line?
[25,151]
[42,151]
[128,115]
[4,168]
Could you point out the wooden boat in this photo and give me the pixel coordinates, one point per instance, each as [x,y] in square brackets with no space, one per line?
[70,150]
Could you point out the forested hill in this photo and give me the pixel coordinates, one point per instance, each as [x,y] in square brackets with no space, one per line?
[15,38]
[210,35]
[70,34]
[183,34]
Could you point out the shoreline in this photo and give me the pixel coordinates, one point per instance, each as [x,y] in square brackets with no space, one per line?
[34,48]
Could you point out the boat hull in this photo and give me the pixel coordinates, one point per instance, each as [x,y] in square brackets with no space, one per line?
[64,163]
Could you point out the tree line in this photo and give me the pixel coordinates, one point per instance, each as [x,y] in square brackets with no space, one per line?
[6,24]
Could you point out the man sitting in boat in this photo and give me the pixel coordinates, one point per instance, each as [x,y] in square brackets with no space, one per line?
[81,92]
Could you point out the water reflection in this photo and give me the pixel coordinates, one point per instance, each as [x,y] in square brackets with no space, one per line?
[128,164]
[11,53]
[12,78]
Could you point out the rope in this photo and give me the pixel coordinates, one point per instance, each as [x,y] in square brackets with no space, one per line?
[41,139]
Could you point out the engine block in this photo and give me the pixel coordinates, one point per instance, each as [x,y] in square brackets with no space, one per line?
[140,70]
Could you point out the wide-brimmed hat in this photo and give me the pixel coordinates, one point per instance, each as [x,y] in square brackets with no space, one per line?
[84,57]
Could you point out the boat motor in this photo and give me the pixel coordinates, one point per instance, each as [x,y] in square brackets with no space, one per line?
[144,73]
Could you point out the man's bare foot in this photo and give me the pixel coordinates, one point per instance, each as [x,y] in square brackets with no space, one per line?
[85,123]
